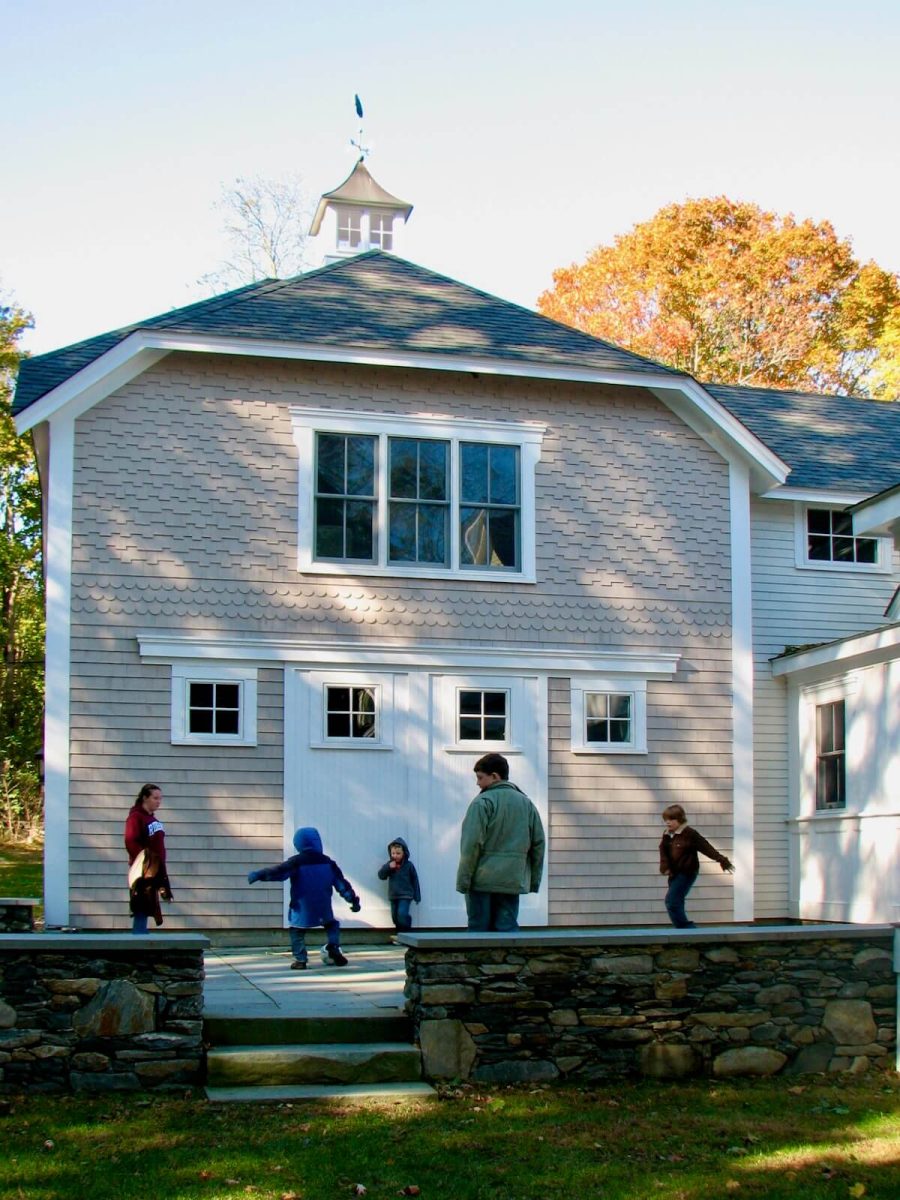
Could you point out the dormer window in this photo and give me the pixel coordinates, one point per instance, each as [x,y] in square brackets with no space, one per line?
[349,229]
[381,231]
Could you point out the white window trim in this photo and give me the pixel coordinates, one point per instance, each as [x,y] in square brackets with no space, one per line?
[620,685]
[883,550]
[527,436]
[810,698]
[186,673]
[513,686]
[383,685]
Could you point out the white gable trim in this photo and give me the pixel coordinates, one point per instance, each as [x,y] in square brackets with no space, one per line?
[165,647]
[879,645]
[144,347]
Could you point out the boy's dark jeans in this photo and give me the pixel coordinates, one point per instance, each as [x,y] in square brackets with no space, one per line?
[679,886]
[400,913]
[298,939]
[492,912]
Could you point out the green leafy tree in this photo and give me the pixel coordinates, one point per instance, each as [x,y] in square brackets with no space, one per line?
[21,604]
[734,294]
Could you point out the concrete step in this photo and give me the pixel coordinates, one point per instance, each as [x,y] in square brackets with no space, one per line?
[294,1031]
[328,1063]
[361,1092]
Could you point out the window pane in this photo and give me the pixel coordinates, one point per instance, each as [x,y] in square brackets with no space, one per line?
[819,549]
[474,473]
[403,468]
[338,725]
[432,470]
[843,549]
[620,706]
[432,540]
[495,703]
[226,721]
[338,699]
[504,476]
[866,550]
[473,548]
[841,523]
[201,695]
[837,724]
[619,731]
[470,702]
[470,729]
[329,529]
[228,695]
[597,731]
[364,724]
[504,528]
[360,466]
[402,543]
[494,729]
[596,704]
[330,463]
[200,721]
[818,520]
[360,529]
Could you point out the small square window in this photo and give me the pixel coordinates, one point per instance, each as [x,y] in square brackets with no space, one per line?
[351,712]
[213,704]
[607,718]
[482,716]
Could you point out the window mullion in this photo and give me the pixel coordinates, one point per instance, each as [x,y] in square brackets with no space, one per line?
[382,501]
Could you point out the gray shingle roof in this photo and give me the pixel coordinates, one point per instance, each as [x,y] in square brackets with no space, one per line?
[373,301]
[836,442]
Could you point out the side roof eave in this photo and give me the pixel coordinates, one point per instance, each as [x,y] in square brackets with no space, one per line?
[844,654]
[141,349]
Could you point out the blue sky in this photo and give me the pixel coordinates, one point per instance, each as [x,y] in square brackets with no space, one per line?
[524,133]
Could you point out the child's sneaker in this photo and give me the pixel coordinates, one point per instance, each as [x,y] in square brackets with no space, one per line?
[297,965]
[332,954]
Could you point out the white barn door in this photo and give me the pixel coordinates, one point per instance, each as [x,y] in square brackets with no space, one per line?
[373,755]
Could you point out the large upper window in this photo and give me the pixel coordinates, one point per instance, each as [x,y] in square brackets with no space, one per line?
[416,495]
[831,788]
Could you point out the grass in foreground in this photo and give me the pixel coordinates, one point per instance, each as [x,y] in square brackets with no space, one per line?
[813,1141]
[22,870]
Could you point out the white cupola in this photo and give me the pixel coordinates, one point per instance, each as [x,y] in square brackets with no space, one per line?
[359,215]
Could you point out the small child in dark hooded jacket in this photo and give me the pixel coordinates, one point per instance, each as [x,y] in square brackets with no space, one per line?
[313,876]
[403,883]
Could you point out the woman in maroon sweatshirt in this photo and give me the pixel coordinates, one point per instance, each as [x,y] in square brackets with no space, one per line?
[145,835]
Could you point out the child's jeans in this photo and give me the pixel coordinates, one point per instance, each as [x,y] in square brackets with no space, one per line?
[139,923]
[298,939]
[400,913]
[679,886]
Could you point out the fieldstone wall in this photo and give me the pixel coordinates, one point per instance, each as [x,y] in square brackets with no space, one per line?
[100,1012]
[554,1004]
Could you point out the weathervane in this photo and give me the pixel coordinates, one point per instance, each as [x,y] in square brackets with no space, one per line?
[363,150]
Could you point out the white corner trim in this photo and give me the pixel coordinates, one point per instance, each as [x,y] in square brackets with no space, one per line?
[58,543]
[742,693]
[166,647]
[861,649]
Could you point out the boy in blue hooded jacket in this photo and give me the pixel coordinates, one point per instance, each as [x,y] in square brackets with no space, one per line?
[313,876]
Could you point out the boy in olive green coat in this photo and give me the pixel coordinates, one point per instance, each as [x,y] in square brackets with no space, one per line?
[501,851]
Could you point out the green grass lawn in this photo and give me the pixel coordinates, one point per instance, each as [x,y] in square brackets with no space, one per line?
[808,1140]
[22,871]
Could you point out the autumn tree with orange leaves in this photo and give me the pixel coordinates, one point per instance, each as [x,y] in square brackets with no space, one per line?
[733,294]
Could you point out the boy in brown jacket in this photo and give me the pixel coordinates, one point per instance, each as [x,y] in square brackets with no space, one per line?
[678,860]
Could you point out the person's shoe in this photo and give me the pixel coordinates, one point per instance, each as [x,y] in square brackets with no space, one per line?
[297,965]
[332,954]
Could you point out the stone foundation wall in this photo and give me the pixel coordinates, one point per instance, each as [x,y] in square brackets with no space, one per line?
[556,1004]
[95,1012]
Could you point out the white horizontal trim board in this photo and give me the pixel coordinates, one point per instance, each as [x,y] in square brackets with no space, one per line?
[157,647]
[878,645]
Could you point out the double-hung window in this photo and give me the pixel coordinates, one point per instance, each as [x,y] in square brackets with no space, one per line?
[416,495]
[831,787]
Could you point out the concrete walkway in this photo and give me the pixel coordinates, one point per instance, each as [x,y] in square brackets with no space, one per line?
[259,982]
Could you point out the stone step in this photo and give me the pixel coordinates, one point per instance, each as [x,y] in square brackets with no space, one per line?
[225,1030]
[328,1063]
[361,1092]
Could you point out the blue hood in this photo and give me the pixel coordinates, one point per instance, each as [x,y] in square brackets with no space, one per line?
[307,838]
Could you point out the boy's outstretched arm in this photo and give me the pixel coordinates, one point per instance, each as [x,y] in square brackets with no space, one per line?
[344,889]
[271,874]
